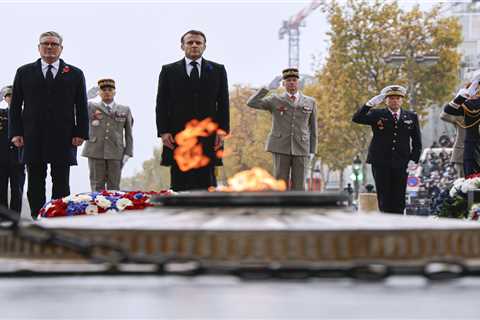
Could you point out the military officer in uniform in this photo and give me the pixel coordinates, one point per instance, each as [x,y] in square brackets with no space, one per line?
[111,142]
[11,170]
[293,137]
[396,141]
[466,104]
[457,153]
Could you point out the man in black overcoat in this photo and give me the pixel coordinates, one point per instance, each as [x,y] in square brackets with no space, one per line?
[49,118]
[192,88]
[396,141]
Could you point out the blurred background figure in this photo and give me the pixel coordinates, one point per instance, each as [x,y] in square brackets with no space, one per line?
[12,171]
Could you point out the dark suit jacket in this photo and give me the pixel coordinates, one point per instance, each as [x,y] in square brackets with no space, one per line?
[50,117]
[390,146]
[178,102]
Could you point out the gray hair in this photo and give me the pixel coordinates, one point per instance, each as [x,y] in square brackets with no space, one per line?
[51,34]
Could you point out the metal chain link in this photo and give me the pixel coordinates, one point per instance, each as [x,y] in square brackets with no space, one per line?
[115,258]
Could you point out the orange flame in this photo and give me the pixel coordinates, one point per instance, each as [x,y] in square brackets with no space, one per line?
[256,179]
[189,153]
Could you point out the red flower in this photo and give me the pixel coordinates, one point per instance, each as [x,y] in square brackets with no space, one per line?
[66,69]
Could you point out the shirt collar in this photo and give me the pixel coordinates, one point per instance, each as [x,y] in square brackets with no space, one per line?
[188,60]
[398,112]
[109,104]
[55,65]
[296,94]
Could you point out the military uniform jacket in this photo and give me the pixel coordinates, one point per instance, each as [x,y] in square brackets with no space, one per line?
[392,145]
[294,125]
[48,117]
[110,133]
[458,145]
[8,152]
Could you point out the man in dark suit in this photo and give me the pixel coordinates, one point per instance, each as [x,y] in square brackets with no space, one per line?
[49,118]
[192,88]
[11,170]
[396,140]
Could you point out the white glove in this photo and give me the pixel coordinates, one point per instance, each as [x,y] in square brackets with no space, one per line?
[472,89]
[375,101]
[92,92]
[125,159]
[464,92]
[310,157]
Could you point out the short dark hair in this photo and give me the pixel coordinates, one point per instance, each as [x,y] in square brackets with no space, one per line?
[198,33]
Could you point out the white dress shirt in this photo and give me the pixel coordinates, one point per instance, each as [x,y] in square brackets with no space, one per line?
[190,67]
[55,66]
[296,95]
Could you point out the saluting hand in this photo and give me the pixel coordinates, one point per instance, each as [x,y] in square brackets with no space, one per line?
[168,141]
[375,101]
[472,88]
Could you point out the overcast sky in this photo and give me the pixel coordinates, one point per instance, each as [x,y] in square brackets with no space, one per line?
[130,41]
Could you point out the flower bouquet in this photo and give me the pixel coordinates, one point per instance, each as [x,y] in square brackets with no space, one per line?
[94,203]
[453,203]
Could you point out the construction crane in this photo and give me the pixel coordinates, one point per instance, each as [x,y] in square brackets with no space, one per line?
[291,28]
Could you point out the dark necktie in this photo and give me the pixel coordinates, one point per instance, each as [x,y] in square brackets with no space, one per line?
[395,118]
[109,109]
[194,76]
[49,74]
[292,98]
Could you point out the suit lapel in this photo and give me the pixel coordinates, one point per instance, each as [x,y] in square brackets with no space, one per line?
[59,75]
[38,71]
[301,97]
[101,106]
[204,70]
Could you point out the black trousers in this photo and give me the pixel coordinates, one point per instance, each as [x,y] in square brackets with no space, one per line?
[15,174]
[196,179]
[391,184]
[37,173]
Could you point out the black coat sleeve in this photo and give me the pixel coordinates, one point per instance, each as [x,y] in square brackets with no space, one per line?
[416,137]
[15,121]
[81,110]
[364,116]
[448,109]
[223,103]
[161,109]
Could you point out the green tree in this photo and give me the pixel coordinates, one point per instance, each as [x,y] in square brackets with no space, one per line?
[362,34]
[249,129]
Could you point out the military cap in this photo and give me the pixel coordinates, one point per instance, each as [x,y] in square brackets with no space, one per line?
[7,91]
[290,72]
[104,83]
[394,90]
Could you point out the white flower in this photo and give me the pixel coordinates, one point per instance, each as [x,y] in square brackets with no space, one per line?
[77,198]
[458,183]
[468,185]
[453,192]
[123,203]
[103,202]
[84,197]
[91,209]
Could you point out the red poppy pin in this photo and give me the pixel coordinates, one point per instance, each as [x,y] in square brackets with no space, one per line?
[380,124]
[66,69]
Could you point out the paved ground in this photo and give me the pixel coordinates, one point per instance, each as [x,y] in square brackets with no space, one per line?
[230,298]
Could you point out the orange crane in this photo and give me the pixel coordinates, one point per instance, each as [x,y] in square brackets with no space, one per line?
[291,27]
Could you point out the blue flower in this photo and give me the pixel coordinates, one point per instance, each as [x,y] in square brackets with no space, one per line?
[209,67]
